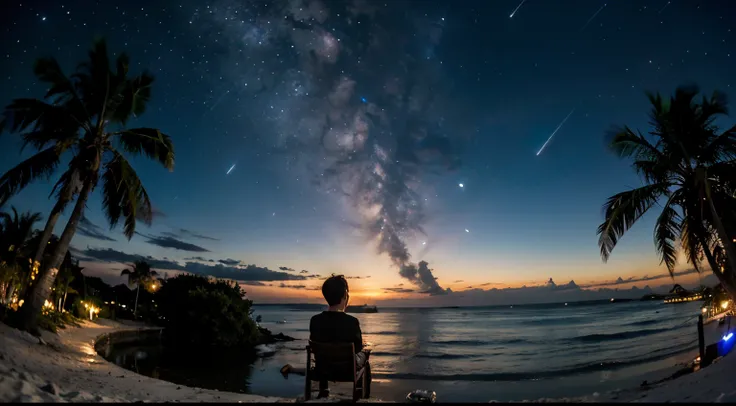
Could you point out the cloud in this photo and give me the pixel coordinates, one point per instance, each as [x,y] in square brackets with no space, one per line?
[198,259]
[91,230]
[229,261]
[286,268]
[548,292]
[171,242]
[303,271]
[399,290]
[459,281]
[183,232]
[253,283]
[422,277]
[634,279]
[247,273]
[283,285]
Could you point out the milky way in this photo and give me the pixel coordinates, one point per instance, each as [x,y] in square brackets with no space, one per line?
[363,110]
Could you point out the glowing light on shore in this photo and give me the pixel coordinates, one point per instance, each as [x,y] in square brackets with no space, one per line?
[724,304]
[727,337]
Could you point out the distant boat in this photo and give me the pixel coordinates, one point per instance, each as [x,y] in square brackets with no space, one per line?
[362,309]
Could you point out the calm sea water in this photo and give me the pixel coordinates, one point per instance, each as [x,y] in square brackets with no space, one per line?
[473,354]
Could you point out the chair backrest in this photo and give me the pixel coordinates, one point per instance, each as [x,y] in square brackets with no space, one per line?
[335,361]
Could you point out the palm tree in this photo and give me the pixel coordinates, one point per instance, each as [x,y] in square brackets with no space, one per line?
[15,232]
[689,170]
[140,275]
[84,115]
[64,279]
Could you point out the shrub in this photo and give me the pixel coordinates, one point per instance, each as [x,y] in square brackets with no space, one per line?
[200,312]
[53,320]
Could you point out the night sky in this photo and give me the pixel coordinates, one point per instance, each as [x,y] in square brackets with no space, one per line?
[360,137]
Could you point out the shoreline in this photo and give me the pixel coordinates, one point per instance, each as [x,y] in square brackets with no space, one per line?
[67,368]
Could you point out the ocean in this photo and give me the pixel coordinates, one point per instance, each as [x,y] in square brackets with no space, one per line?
[485,353]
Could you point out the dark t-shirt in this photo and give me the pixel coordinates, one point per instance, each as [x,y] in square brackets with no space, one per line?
[336,327]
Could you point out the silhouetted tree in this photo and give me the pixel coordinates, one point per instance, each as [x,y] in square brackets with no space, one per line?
[141,274]
[689,170]
[83,115]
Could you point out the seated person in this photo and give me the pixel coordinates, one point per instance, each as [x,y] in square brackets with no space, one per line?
[335,326]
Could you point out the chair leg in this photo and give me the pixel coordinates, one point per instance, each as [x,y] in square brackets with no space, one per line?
[307,378]
[364,391]
[307,385]
[307,390]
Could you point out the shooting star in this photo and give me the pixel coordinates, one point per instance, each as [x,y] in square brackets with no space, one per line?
[665,6]
[516,9]
[593,16]
[233,167]
[555,132]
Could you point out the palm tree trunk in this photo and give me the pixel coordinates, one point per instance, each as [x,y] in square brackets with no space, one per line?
[726,283]
[64,198]
[726,240]
[9,293]
[63,303]
[137,291]
[47,232]
[39,292]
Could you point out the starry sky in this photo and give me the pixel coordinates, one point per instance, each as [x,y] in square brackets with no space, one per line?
[359,138]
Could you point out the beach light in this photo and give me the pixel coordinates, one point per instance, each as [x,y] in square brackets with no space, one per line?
[724,304]
[704,310]
[727,336]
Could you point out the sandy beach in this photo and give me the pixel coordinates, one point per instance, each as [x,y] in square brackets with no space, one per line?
[66,368]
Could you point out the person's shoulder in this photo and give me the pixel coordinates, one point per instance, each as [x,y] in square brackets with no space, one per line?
[352,319]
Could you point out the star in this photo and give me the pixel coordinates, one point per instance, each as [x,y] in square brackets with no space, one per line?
[467,231]
[461,185]
[43,18]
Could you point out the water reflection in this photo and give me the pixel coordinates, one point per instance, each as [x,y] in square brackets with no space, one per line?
[192,367]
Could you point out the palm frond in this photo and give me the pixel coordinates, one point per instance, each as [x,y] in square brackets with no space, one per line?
[48,70]
[625,143]
[150,141]
[134,97]
[723,147]
[93,79]
[622,210]
[666,230]
[39,165]
[124,195]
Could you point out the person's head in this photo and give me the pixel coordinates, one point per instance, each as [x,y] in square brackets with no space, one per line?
[336,292]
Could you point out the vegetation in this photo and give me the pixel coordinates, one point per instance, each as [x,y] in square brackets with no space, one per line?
[197,311]
[15,233]
[84,116]
[141,274]
[689,171]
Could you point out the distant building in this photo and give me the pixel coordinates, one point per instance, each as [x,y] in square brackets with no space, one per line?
[678,294]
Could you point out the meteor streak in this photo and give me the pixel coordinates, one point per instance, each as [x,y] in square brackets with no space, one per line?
[592,17]
[555,132]
[233,167]
[516,9]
